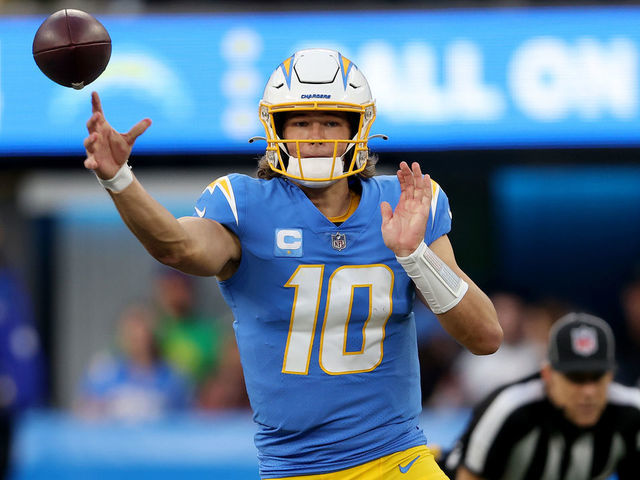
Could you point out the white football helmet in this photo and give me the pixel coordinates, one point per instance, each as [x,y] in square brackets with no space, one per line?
[320,80]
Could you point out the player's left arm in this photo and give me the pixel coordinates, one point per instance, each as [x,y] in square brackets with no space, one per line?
[462,308]
[473,322]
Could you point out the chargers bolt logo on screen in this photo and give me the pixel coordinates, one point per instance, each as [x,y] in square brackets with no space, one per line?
[288,242]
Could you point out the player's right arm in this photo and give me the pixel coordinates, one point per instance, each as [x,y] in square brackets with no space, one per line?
[193,245]
[198,246]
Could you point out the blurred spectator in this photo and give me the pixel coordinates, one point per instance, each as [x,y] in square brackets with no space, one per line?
[474,376]
[629,340]
[225,389]
[538,317]
[189,342]
[133,382]
[21,359]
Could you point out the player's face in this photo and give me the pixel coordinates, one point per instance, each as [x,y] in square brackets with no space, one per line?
[583,397]
[312,125]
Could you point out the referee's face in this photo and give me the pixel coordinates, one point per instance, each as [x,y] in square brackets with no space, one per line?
[583,398]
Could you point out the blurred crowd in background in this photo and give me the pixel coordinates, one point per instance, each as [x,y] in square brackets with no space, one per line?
[164,357]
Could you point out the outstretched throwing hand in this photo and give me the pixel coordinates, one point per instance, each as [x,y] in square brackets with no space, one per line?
[107,150]
[403,229]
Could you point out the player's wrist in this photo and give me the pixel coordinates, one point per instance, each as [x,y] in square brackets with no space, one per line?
[440,286]
[121,180]
[405,252]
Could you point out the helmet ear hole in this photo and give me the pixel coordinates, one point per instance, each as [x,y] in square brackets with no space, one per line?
[278,122]
[354,123]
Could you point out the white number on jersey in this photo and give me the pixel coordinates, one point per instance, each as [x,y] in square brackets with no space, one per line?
[334,357]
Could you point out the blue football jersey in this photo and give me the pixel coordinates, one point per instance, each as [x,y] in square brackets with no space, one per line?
[324,324]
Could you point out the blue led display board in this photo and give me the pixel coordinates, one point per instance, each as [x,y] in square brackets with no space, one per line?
[462,79]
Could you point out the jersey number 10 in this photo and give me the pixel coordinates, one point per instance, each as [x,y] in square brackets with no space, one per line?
[334,358]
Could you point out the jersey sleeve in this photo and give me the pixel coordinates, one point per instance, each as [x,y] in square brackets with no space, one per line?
[219,202]
[439,215]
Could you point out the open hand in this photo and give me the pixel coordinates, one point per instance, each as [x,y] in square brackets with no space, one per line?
[107,150]
[404,228]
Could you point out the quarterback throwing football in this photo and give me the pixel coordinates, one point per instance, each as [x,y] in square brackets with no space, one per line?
[320,261]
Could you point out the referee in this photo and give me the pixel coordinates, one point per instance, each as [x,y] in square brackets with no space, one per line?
[569,422]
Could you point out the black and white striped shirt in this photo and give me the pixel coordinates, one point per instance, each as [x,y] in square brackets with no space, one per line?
[518,434]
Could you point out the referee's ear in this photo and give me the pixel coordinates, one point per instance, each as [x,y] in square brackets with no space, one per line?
[545,373]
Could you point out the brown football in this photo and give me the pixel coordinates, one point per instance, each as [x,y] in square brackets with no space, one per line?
[72,48]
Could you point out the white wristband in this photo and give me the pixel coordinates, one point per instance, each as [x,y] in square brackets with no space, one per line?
[438,284]
[121,180]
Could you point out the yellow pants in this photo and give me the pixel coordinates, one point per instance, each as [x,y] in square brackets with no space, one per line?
[416,463]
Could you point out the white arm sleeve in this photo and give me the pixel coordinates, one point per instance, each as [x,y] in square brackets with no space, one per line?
[438,284]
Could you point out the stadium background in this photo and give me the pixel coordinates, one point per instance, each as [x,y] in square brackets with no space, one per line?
[528,116]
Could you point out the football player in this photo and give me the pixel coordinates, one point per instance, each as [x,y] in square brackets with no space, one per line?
[320,261]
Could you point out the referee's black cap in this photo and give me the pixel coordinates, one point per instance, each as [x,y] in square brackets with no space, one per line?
[581,343]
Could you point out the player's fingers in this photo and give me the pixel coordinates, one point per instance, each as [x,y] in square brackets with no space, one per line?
[407,183]
[404,170]
[90,163]
[89,142]
[91,123]
[422,187]
[96,121]
[386,212]
[422,183]
[96,105]
[401,180]
[416,177]
[426,179]
[137,130]
[428,189]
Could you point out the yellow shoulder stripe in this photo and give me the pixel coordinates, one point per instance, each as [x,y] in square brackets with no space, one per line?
[224,184]
[435,192]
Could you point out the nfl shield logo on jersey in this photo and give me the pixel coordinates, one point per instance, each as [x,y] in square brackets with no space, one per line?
[584,341]
[338,241]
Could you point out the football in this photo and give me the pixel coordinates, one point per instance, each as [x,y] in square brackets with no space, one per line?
[72,48]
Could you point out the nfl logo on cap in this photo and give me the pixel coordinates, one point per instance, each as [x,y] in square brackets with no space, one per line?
[579,342]
[584,340]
